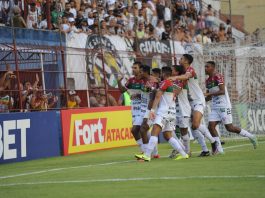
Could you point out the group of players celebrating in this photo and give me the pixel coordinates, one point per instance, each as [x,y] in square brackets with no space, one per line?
[170,98]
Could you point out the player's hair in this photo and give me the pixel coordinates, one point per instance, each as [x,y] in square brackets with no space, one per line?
[137,63]
[156,70]
[146,68]
[211,63]
[188,57]
[167,71]
[179,68]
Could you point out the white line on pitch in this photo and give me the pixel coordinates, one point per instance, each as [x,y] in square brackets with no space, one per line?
[136,179]
[89,165]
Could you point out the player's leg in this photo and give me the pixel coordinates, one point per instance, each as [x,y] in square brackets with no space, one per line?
[233,129]
[143,131]
[197,115]
[157,127]
[175,144]
[212,128]
[137,136]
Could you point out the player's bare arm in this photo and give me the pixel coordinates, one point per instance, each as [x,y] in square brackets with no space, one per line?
[158,96]
[183,77]
[217,93]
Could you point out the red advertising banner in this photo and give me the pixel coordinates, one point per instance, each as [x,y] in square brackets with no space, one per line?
[96,128]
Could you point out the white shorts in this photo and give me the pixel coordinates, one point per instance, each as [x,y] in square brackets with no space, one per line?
[137,120]
[197,107]
[167,124]
[183,122]
[223,115]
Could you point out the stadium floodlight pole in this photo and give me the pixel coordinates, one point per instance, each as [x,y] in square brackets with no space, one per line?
[16,63]
[102,55]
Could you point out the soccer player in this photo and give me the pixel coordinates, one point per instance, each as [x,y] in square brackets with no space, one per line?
[149,86]
[221,106]
[183,110]
[197,103]
[133,86]
[163,113]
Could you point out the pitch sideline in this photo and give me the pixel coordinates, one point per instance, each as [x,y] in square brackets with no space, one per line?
[91,165]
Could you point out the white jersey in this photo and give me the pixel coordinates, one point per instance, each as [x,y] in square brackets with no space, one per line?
[167,105]
[134,89]
[212,85]
[183,108]
[147,88]
[196,95]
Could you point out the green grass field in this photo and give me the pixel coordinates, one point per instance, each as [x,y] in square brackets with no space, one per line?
[115,173]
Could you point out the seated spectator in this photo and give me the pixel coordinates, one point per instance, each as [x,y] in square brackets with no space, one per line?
[17,19]
[73,100]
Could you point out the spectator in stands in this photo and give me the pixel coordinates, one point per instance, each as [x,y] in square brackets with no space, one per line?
[32,18]
[42,22]
[67,12]
[179,33]
[221,34]
[97,97]
[17,19]
[6,101]
[65,26]
[73,100]
[79,19]
[160,9]
[84,27]
[140,32]
[166,35]
[209,17]
[55,15]
[37,102]
[73,8]
[203,37]
[159,29]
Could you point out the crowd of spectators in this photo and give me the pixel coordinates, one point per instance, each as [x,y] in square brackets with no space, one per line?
[181,20]
[30,96]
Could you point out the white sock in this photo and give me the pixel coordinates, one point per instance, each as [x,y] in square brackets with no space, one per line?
[200,139]
[140,144]
[205,131]
[219,147]
[151,145]
[245,133]
[186,143]
[175,144]
[155,151]
[144,147]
